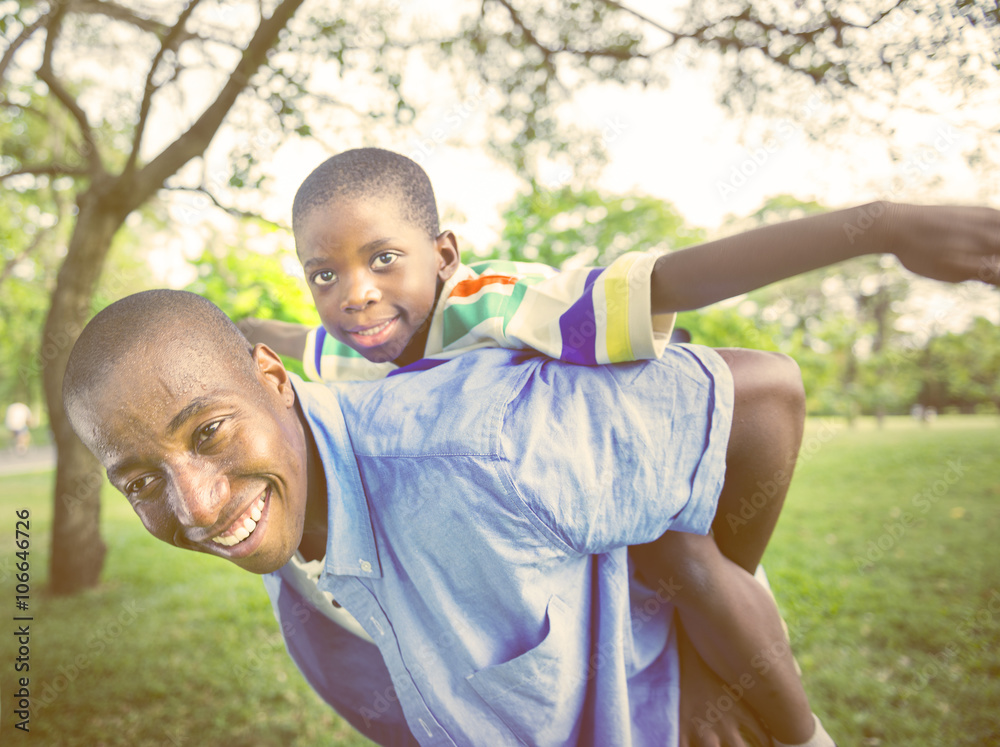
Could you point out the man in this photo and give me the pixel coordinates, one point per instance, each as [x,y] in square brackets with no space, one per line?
[480,541]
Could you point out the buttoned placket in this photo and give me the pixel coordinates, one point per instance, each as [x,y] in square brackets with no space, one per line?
[356,596]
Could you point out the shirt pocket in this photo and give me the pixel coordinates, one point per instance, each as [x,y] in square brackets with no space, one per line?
[540,694]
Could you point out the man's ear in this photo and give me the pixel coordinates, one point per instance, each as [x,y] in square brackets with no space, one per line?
[448,256]
[272,372]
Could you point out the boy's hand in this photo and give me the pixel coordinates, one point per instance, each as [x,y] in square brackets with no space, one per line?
[709,716]
[284,338]
[946,243]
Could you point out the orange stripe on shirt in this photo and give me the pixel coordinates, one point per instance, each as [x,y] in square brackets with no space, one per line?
[472,287]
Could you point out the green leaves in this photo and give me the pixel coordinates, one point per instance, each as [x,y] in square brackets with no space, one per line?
[552,226]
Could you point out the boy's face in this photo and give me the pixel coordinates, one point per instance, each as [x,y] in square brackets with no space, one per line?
[374,275]
[210,460]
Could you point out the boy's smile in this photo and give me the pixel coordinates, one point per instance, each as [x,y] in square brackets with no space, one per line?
[374,275]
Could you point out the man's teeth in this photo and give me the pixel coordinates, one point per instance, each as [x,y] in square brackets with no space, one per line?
[243,529]
[373,330]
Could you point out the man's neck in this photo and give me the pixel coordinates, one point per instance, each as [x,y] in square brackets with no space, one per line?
[314,527]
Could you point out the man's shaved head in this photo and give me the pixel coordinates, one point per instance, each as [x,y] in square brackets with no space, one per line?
[144,325]
[198,430]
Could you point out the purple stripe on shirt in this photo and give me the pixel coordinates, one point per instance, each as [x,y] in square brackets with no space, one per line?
[578,326]
[424,364]
[320,341]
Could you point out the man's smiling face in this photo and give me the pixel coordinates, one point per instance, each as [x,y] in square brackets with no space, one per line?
[212,456]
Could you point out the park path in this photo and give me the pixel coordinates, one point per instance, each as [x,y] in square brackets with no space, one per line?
[37,459]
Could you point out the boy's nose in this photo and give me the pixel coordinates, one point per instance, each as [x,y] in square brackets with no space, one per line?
[201,492]
[360,293]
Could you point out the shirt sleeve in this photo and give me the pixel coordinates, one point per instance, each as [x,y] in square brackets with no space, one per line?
[584,315]
[617,455]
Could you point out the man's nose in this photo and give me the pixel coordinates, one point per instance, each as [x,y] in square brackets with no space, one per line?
[201,493]
[360,292]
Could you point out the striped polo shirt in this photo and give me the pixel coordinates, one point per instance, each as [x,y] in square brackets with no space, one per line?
[583,315]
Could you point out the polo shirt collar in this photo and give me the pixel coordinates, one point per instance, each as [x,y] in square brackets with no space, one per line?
[350,542]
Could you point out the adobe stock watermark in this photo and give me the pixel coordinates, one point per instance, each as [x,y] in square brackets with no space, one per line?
[371,31]
[60,340]
[902,520]
[756,159]
[99,641]
[750,506]
[733,692]
[920,162]
[943,662]
[190,207]
[86,489]
[989,269]
[454,119]
[611,129]
[253,661]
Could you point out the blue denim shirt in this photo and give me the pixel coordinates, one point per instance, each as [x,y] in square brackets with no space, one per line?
[479,518]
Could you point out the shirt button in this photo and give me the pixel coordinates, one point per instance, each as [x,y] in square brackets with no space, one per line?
[366,566]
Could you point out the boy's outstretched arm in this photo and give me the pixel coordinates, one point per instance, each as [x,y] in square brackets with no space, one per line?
[284,338]
[940,242]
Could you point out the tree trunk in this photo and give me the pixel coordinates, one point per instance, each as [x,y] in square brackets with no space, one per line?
[77,548]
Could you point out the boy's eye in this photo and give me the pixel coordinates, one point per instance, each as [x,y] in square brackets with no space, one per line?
[324,277]
[384,259]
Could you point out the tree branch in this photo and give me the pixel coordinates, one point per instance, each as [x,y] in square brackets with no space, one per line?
[36,241]
[20,39]
[644,18]
[143,23]
[233,211]
[194,142]
[549,52]
[121,13]
[170,40]
[47,169]
[46,74]
[8,104]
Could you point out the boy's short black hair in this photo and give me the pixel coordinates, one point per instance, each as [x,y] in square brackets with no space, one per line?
[370,173]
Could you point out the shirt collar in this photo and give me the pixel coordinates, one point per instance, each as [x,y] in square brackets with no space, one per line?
[350,542]
[435,334]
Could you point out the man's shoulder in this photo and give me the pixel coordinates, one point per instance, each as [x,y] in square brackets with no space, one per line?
[458,402]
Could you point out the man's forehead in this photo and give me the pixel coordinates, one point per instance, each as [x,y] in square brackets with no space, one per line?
[146,401]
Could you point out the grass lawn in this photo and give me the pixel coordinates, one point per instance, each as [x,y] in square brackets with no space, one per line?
[885,564]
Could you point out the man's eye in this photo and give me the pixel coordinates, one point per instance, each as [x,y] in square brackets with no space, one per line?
[133,488]
[324,277]
[384,259]
[205,434]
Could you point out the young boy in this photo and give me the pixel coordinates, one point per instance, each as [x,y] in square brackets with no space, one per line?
[391,292]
